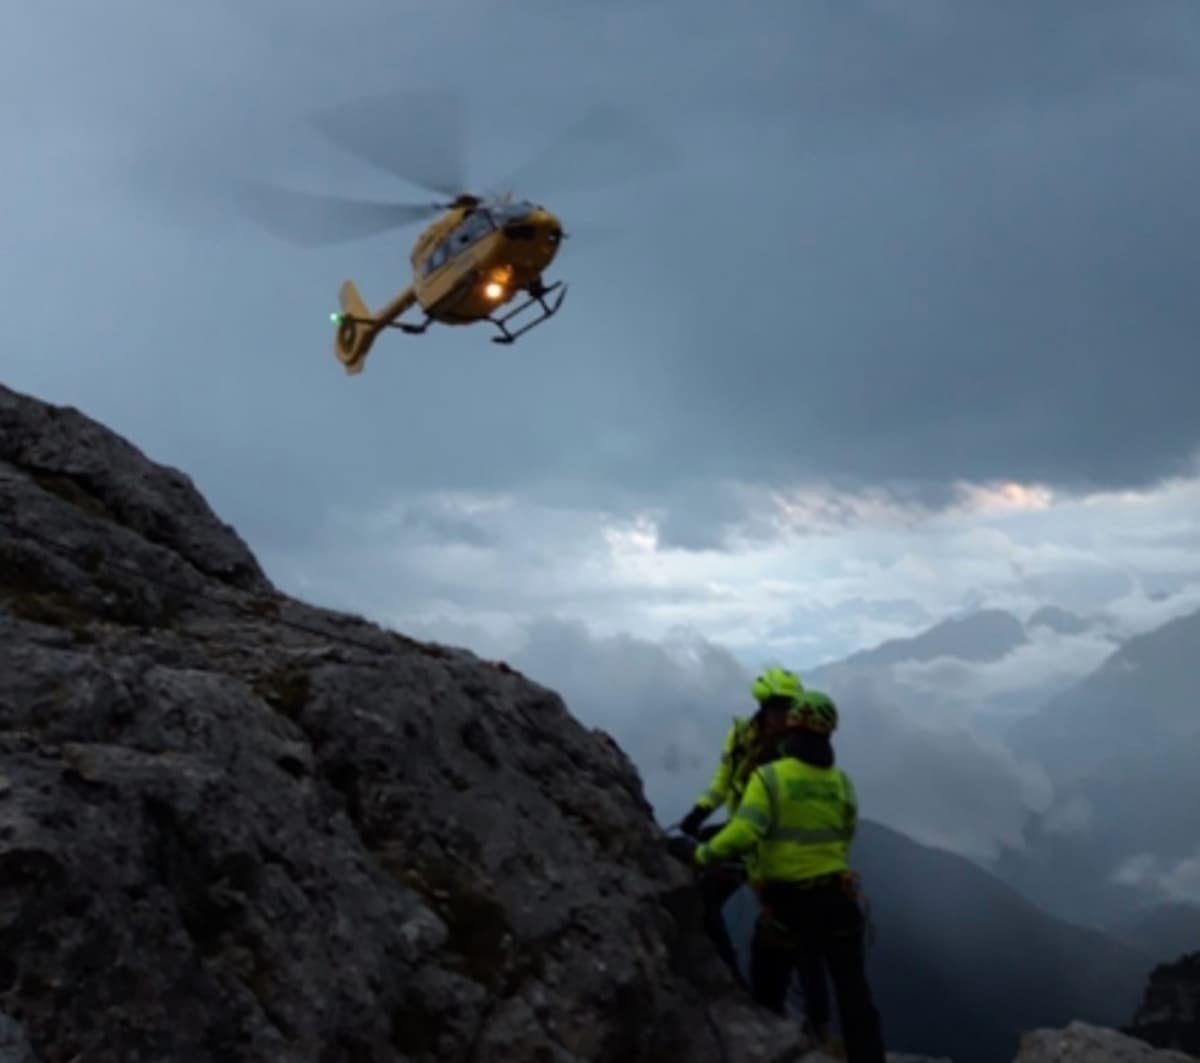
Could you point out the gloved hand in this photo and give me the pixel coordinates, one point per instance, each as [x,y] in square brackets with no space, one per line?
[694,820]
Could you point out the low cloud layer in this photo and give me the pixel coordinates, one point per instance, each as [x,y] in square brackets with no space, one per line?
[656,643]
[669,704]
[1177,881]
[1019,681]
[806,575]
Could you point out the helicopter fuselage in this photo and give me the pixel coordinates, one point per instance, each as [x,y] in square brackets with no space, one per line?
[470,262]
[478,256]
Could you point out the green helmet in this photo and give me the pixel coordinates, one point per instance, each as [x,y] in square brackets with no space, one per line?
[814,711]
[776,683]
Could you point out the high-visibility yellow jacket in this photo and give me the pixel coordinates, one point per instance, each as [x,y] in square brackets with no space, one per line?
[733,769]
[795,820]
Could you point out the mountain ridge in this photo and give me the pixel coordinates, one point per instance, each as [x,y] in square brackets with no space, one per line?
[1131,676]
[979,635]
[1132,779]
[1136,709]
[213,794]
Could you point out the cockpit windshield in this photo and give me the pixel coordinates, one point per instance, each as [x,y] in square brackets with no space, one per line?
[504,213]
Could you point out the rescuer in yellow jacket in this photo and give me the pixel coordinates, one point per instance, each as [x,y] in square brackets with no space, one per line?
[798,815]
[776,688]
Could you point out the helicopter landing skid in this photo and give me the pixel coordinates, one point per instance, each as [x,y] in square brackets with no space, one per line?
[537,294]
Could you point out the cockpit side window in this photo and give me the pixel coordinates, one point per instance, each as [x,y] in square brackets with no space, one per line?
[474,227]
[437,257]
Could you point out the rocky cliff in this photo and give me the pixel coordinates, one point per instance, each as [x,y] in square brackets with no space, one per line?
[1169,1015]
[1083,1043]
[235,827]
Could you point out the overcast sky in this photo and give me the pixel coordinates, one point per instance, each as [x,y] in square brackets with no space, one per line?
[908,327]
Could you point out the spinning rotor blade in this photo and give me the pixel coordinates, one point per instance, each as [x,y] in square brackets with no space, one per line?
[417,137]
[314,220]
[589,234]
[606,146]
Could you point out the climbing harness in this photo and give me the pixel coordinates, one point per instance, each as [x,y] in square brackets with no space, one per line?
[777,933]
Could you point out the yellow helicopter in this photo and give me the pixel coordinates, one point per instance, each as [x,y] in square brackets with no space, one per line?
[471,261]
[478,254]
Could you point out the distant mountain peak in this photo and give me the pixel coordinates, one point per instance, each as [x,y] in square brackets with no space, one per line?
[1059,620]
[980,636]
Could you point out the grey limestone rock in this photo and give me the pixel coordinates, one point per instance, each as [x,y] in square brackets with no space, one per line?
[1082,1043]
[1169,1014]
[237,827]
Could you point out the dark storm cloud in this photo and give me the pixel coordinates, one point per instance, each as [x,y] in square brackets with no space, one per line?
[946,60]
[906,243]
[990,218]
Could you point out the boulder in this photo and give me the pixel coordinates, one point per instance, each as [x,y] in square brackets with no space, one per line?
[1169,1014]
[1083,1043]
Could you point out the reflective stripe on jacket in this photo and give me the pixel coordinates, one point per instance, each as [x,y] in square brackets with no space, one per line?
[796,820]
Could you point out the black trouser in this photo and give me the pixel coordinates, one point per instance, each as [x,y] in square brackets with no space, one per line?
[811,930]
[814,990]
[717,885]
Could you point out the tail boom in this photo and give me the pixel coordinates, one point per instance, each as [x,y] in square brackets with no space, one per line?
[358,327]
